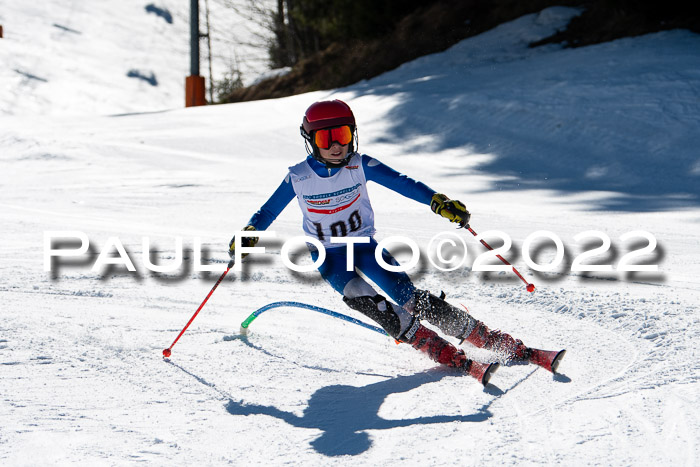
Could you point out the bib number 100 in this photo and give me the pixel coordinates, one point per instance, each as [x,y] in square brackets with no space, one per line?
[341,228]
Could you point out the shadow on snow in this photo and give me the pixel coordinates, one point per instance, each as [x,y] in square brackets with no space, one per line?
[344,413]
[611,119]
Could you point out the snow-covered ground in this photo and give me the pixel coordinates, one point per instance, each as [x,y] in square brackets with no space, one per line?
[70,57]
[599,138]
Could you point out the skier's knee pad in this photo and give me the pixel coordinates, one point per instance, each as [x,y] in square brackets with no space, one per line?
[380,310]
[448,318]
[358,287]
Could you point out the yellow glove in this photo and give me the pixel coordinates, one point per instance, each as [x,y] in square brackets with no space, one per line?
[247,242]
[450,209]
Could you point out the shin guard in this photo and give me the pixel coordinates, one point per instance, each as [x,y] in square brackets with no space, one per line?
[378,309]
[435,310]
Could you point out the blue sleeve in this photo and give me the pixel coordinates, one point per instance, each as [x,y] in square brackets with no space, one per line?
[272,208]
[398,182]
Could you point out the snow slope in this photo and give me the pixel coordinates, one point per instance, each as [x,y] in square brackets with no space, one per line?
[68,57]
[600,138]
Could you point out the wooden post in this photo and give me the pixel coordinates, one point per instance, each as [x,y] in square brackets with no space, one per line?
[194,91]
[0,31]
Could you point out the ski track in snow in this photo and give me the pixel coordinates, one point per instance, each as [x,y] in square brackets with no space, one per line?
[282,375]
[82,378]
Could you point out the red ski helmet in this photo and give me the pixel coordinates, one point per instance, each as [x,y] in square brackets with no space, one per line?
[326,114]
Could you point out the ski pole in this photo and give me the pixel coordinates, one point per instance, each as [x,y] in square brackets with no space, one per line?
[530,287]
[167,352]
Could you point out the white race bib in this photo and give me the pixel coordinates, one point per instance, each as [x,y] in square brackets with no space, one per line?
[336,206]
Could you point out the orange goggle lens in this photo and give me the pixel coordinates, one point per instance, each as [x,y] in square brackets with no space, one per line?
[324,138]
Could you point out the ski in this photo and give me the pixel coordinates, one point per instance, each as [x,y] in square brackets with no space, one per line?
[482,371]
[547,359]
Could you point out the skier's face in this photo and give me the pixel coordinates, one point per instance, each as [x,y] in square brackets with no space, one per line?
[335,153]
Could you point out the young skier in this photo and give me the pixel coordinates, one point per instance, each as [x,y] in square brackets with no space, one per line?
[331,188]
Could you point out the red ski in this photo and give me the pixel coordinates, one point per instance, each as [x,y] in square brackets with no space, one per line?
[547,359]
[482,371]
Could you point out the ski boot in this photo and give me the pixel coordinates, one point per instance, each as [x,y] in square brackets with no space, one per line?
[504,345]
[441,351]
[460,324]
[513,350]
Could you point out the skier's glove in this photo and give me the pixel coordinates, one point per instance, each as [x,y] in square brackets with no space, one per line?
[450,209]
[246,241]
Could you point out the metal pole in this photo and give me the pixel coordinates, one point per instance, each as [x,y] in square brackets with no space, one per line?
[530,287]
[194,37]
[211,74]
[167,352]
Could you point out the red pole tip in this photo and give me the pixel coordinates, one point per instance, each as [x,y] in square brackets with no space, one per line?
[530,287]
[166,353]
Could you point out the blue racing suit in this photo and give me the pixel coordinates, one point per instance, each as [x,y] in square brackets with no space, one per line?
[397,285]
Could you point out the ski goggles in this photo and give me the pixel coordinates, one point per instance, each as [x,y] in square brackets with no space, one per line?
[325,138]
